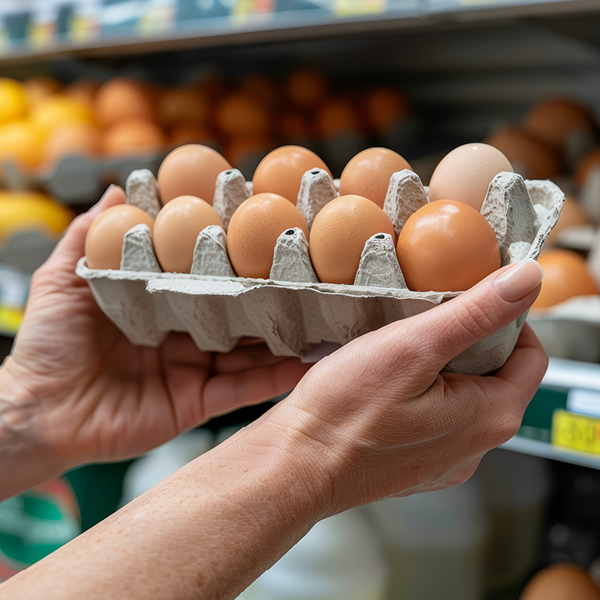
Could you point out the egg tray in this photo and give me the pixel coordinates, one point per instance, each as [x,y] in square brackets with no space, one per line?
[78,179]
[294,313]
[571,329]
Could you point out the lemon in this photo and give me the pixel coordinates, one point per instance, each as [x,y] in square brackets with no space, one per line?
[13,101]
[53,112]
[26,211]
[21,142]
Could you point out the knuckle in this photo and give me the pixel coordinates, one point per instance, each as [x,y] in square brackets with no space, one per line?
[474,318]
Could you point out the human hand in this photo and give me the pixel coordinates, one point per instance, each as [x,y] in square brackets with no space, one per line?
[81,392]
[378,417]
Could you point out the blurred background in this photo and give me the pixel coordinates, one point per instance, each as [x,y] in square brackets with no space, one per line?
[92,89]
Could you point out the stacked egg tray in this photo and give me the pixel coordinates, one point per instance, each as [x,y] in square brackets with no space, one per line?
[294,313]
[78,179]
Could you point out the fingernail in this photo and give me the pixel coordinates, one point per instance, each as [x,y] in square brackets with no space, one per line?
[518,281]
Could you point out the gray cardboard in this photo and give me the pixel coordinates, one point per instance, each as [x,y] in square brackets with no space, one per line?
[141,189]
[296,317]
[405,196]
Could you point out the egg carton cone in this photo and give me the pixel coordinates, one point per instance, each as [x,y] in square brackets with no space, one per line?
[571,329]
[292,311]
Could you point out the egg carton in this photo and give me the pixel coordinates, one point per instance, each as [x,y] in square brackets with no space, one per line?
[571,329]
[294,313]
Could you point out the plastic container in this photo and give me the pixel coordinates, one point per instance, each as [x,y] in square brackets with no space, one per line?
[339,559]
[434,542]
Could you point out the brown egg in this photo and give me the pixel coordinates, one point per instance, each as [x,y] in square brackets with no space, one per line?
[282,169]
[384,107]
[122,99]
[183,105]
[306,88]
[242,115]
[565,276]
[447,246]
[188,133]
[571,215]
[465,174]
[337,116]
[590,163]
[540,160]
[176,230]
[134,137]
[563,581]
[253,232]
[72,139]
[339,234]
[190,170]
[554,120]
[368,173]
[104,239]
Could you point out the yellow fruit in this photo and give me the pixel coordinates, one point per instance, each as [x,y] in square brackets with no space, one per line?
[25,211]
[21,142]
[53,112]
[13,101]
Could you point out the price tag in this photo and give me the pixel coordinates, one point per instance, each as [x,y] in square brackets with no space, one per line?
[576,432]
[10,319]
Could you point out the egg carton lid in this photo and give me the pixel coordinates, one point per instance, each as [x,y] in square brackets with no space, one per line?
[292,311]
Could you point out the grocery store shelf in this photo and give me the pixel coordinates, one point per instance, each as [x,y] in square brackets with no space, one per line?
[97,28]
[570,389]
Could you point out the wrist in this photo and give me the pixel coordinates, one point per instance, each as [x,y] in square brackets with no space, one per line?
[26,458]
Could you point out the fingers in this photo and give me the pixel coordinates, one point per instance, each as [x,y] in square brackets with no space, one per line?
[71,248]
[228,391]
[454,326]
[246,357]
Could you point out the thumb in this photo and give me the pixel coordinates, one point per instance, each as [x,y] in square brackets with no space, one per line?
[487,307]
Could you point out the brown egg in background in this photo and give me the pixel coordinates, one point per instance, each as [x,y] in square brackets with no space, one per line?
[538,159]
[383,108]
[281,171]
[262,88]
[305,88]
[555,119]
[336,117]
[339,233]
[590,163]
[190,133]
[254,229]
[368,174]
[133,137]
[183,105]
[571,215]
[190,170]
[565,276]
[104,239]
[562,581]
[447,246]
[72,139]
[465,174]
[176,230]
[122,99]
[241,115]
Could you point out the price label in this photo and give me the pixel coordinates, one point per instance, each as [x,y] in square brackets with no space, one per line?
[576,432]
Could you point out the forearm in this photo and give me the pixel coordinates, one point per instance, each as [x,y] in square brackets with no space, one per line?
[205,532]
[24,459]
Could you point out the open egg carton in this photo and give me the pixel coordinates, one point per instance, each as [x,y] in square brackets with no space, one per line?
[295,313]
[571,329]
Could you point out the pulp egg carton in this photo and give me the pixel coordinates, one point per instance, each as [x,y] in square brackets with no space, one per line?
[571,329]
[292,311]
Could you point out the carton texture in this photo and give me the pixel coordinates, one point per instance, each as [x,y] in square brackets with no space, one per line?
[291,310]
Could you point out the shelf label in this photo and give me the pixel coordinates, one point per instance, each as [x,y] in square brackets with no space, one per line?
[576,432]
[10,319]
[584,402]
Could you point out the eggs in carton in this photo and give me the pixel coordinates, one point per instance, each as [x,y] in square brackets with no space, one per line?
[295,313]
